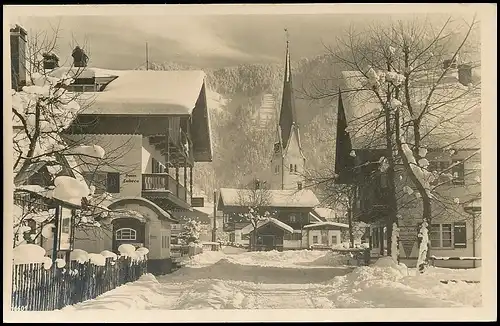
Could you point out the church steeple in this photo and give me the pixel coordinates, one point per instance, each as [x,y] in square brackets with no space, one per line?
[288,161]
[288,116]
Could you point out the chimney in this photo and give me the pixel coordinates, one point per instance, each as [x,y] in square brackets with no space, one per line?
[465,74]
[50,61]
[18,56]
[80,59]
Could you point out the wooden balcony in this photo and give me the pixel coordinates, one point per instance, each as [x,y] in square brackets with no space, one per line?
[156,184]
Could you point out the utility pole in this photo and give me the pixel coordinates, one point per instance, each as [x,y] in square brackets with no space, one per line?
[214,227]
[147,57]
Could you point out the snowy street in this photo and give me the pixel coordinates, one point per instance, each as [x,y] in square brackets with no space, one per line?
[234,279]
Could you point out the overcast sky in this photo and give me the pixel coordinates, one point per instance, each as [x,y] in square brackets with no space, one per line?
[118,42]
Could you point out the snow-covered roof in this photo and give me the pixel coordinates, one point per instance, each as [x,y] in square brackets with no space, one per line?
[316,216]
[325,212]
[207,209]
[451,111]
[277,198]
[322,224]
[149,92]
[140,200]
[249,228]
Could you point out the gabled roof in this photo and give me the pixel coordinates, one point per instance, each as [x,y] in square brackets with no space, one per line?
[285,227]
[462,116]
[150,93]
[324,224]
[277,198]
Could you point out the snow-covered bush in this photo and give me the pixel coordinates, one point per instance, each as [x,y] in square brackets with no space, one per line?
[191,231]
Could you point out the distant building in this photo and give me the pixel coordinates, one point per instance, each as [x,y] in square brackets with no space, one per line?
[284,183]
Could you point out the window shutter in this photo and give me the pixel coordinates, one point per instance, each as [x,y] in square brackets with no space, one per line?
[113,182]
[460,235]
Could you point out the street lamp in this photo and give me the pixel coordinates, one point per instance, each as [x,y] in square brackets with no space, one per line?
[473,207]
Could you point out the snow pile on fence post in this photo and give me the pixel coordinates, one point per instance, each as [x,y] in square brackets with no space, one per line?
[109,254]
[79,255]
[31,254]
[126,250]
[97,259]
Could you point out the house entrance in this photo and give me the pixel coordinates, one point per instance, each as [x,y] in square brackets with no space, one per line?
[128,230]
[266,242]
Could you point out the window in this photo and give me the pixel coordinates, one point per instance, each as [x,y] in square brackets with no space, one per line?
[459,235]
[113,182]
[81,88]
[165,241]
[315,239]
[126,234]
[440,236]
[334,239]
[299,185]
[292,218]
[291,167]
[103,181]
[157,167]
[245,237]
[295,167]
[458,172]
[293,236]
[438,166]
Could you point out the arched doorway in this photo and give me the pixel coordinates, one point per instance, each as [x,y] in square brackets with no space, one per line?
[128,230]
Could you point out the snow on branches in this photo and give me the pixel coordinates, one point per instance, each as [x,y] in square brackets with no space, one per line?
[374,79]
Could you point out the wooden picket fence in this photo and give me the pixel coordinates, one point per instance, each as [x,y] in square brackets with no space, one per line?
[36,289]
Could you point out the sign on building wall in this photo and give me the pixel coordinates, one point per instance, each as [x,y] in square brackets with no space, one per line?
[197,202]
[408,236]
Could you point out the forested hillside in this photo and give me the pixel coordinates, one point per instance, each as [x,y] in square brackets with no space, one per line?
[242,149]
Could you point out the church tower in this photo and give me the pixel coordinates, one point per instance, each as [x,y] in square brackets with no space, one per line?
[288,161]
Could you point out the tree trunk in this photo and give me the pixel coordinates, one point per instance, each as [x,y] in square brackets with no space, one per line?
[392,204]
[349,219]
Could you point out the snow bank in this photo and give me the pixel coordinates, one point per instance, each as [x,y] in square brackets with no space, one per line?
[145,293]
[387,284]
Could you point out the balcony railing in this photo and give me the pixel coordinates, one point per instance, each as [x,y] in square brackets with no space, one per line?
[164,181]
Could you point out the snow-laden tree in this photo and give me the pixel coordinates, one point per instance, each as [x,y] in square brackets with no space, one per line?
[402,78]
[256,199]
[191,231]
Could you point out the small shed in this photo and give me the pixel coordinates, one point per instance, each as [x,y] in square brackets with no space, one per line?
[324,233]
